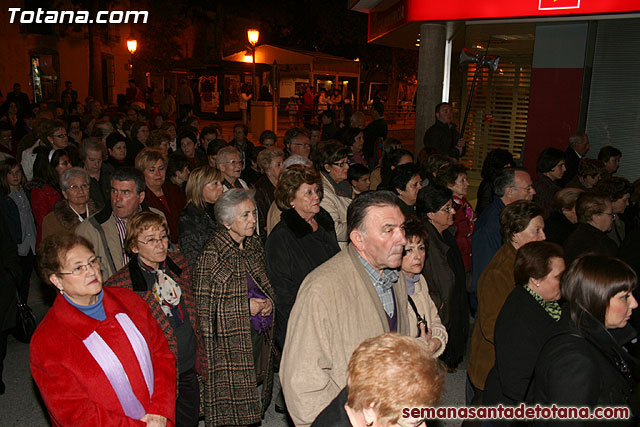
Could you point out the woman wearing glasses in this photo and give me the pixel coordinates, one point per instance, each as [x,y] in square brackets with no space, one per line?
[444,270]
[164,281]
[75,207]
[98,357]
[332,161]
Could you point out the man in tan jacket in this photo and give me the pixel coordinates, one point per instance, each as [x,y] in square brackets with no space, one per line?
[357,294]
[108,228]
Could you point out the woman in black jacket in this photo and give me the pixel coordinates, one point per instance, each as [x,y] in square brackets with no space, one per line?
[528,318]
[585,364]
[303,239]
[444,270]
[197,223]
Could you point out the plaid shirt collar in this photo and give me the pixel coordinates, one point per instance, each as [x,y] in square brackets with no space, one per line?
[382,284]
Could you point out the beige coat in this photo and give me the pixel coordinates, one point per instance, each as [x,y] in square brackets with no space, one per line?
[428,310]
[273,217]
[337,207]
[336,309]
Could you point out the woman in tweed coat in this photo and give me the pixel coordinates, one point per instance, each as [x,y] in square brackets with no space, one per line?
[236,332]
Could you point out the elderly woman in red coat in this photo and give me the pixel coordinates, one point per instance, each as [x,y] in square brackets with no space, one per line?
[164,281]
[99,358]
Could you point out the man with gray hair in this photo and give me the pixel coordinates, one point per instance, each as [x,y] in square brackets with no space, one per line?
[578,147]
[355,295]
[297,141]
[108,228]
[509,185]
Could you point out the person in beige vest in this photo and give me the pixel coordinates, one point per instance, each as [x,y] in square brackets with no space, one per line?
[355,295]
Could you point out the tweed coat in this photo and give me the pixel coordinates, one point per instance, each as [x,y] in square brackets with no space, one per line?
[130,277]
[230,392]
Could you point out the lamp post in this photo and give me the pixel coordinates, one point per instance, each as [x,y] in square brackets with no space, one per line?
[252,36]
[132,45]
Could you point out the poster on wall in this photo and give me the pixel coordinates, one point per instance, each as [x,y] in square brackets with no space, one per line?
[209,95]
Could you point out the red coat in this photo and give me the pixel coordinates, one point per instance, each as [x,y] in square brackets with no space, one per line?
[176,201]
[74,387]
[42,201]
[464,219]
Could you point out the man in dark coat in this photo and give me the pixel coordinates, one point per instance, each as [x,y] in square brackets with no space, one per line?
[509,185]
[443,135]
[578,147]
[20,98]
[374,134]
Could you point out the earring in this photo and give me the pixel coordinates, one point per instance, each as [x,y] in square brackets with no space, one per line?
[61,291]
[370,423]
[293,206]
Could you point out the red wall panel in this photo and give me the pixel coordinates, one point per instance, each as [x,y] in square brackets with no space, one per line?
[554,108]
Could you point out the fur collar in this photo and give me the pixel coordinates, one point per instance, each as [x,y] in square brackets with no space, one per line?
[300,227]
[67,217]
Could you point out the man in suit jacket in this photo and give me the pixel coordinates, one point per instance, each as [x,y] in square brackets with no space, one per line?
[578,147]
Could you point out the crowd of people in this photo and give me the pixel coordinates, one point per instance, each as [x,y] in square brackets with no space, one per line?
[190,269]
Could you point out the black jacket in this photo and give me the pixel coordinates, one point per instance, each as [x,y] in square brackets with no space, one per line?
[292,251]
[264,197]
[443,138]
[586,239]
[10,278]
[334,415]
[571,163]
[558,228]
[585,366]
[195,227]
[522,328]
[484,196]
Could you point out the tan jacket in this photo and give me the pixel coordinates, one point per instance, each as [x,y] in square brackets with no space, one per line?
[63,219]
[494,286]
[337,207]
[428,310]
[273,217]
[336,309]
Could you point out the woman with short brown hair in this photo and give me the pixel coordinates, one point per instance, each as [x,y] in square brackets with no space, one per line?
[163,280]
[584,365]
[160,193]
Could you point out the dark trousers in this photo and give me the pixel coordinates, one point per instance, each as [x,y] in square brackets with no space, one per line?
[188,402]
[26,265]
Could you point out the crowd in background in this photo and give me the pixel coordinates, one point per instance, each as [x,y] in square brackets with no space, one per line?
[179,257]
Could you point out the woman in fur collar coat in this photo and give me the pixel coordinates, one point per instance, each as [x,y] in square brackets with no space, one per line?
[303,239]
[76,206]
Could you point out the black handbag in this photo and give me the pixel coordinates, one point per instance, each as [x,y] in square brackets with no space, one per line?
[26,323]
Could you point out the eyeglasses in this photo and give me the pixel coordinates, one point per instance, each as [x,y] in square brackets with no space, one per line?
[301,145]
[611,214]
[76,188]
[60,135]
[527,188]
[341,164]
[153,241]
[234,162]
[447,209]
[81,269]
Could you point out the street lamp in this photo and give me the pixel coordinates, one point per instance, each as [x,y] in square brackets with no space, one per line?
[132,46]
[252,36]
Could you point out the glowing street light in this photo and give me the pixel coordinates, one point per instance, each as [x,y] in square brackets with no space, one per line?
[253,36]
[132,45]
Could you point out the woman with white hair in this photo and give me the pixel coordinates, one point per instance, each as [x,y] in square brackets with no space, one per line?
[75,207]
[230,271]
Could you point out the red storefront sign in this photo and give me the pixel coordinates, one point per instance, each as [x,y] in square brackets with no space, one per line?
[389,15]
